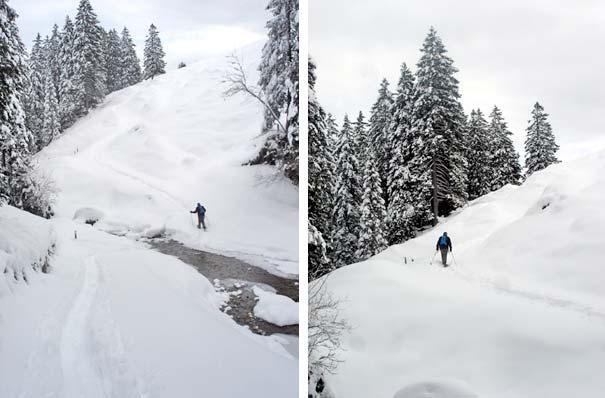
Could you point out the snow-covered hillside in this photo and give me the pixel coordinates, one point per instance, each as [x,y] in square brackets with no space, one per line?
[152,151]
[520,313]
[115,318]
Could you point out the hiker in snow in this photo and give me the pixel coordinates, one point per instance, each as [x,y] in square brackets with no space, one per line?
[443,243]
[201,214]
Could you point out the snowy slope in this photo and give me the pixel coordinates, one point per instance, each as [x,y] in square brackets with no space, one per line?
[115,318]
[521,313]
[150,152]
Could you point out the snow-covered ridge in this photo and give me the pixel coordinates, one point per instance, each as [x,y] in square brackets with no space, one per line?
[26,243]
[150,152]
[517,314]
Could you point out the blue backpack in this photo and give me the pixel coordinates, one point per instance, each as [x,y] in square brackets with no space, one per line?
[443,241]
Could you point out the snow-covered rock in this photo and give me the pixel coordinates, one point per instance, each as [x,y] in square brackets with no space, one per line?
[275,308]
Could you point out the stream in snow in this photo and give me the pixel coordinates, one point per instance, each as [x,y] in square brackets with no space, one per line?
[237,278]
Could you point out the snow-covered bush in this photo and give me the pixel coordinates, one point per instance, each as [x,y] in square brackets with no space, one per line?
[325,329]
[26,244]
[39,198]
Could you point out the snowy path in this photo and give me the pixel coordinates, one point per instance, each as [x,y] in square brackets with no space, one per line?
[116,319]
[80,376]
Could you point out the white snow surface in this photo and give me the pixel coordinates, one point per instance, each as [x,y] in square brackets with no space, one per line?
[275,308]
[150,152]
[519,313]
[114,318]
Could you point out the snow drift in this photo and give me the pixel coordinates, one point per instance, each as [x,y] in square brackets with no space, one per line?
[520,312]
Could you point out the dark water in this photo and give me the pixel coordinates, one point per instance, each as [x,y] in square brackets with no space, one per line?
[232,275]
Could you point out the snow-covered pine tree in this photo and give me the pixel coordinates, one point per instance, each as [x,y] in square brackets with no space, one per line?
[361,140]
[14,136]
[68,91]
[479,150]
[438,166]
[320,183]
[89,66]
[332,133]
[347,199]
[279,83]
[540,145]
[153,54]
[372,236]
[505,159]
[400,207]
[113,61]
[51,126]
[54,57]
[33,100]
[131,68]
[378,131]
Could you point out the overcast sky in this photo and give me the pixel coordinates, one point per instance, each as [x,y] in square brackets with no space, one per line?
[511,53]
[189,29]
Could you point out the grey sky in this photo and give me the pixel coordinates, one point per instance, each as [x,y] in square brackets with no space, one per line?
[189,29]
[510,53]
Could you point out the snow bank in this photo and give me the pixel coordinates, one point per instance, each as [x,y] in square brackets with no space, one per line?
[517,314]
[274,308]
[26,242]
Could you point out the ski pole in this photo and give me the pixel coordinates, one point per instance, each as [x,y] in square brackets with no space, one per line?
[454,258]
[433,258]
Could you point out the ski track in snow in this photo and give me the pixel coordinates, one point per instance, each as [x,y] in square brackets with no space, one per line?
[81,377]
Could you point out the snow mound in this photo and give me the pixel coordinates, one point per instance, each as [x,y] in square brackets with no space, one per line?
[274,308]
[436,389]
[88,215]
[26,242]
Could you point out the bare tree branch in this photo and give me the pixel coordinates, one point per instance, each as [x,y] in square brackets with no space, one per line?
[236,81]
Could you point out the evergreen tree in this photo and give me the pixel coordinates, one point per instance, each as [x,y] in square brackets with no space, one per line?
[113,61]
[347,199]
[437,134]
[51,127]
[88,50]
[33,100]
[54,58]
[379,124]
[372,237]
[320,183]
[399,208]
[479,148]
[279,83]
[540,145]
[131,69]
[505,159]
[14,136]
[68,91]
[361,140]
[153,58]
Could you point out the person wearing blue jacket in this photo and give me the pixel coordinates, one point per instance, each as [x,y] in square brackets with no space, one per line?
[443,244]
[201,214]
